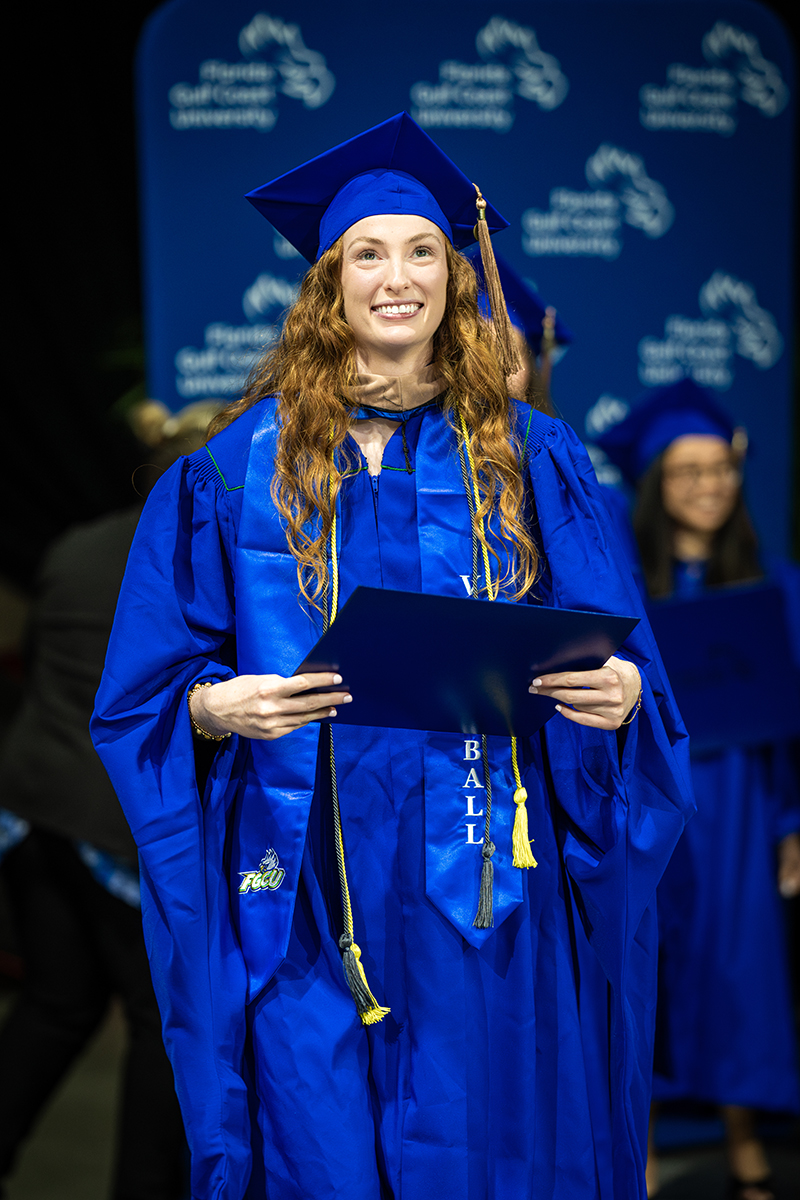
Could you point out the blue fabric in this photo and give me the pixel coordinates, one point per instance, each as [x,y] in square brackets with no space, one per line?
[376,193]
[726,1032]
[394,167]
[487,1079]
[726,1027]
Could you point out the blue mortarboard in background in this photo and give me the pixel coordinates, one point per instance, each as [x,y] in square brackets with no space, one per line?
[526,308]
[657,419]
[392,168]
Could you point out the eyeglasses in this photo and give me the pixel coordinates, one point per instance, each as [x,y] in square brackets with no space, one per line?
[690,475]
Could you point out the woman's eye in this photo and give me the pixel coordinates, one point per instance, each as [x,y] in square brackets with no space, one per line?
[421,252]
[367,256]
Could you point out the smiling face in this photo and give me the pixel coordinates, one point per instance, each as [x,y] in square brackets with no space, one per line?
[394,281]
[700,482]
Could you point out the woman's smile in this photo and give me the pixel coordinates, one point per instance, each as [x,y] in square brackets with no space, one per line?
[393,311]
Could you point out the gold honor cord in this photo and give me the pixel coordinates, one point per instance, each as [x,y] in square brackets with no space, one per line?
[521,843]
[367,1006]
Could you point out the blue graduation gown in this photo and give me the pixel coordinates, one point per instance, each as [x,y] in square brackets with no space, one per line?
[725,1025]
[482,1082]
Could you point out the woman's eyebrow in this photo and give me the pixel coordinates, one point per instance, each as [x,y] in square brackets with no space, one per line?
[373,241]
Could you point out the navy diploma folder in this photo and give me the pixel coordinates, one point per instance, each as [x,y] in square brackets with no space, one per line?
[721,651]
[440,663]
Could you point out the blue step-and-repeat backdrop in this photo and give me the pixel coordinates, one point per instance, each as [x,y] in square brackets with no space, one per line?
[642,150]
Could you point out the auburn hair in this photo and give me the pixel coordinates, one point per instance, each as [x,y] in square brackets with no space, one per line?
[312,371]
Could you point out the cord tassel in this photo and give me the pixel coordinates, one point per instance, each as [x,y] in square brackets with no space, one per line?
[484,918]
[505,344]
[520,842]
[367,1006]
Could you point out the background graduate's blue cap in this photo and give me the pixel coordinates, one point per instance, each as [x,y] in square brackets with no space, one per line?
[392,168]
[526,308]
[657,419]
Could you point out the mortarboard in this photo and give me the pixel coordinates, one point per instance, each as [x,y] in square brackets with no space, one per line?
[526,308]
[392,168]
[657,419]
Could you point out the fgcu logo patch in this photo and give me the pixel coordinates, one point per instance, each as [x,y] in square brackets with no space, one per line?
[267,878]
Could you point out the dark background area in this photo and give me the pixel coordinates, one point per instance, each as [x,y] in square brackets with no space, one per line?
[74,357]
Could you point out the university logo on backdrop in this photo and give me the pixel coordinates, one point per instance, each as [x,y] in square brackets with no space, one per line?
[706,98]
[511,65]
[275,63]
[276,66]
[703,348]
[588,224]
[700,348]
[222,365]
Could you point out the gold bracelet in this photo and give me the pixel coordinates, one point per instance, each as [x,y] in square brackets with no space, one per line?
[198,729]
[636,708]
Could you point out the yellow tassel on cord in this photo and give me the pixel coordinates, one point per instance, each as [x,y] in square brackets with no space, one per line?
[520,842]
[367,1006]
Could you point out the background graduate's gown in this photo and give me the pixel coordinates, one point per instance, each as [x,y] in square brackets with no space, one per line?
[482,1083]
[725,1023]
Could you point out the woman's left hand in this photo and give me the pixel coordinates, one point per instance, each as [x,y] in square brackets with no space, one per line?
[602,699]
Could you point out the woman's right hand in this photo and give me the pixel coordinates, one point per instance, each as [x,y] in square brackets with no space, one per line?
[265,706]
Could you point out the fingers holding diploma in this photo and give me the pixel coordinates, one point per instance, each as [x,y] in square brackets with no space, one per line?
[266,706]
[603,698]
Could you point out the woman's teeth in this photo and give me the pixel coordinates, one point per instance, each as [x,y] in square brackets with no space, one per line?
[397,309]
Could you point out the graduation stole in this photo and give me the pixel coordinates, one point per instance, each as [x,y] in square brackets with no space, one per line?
[471,835]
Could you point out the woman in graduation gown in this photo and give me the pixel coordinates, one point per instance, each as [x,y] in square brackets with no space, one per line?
[726,1031]
[377,446]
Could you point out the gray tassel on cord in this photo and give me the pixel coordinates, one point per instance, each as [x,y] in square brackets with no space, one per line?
[484,918]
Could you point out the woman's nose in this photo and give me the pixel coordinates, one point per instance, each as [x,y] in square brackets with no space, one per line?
[397,275]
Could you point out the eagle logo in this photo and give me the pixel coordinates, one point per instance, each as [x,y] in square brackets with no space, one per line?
[269,875]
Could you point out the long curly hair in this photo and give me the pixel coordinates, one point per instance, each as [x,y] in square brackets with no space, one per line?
[734,549]
[312,370]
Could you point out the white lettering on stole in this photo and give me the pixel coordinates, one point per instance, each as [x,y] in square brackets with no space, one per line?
[467,582]
[472,750]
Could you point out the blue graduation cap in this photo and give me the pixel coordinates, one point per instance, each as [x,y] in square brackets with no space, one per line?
[526,308]
[392,168]
[657,419]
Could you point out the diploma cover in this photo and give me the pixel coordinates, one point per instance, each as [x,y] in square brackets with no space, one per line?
[440,663]
[733,668]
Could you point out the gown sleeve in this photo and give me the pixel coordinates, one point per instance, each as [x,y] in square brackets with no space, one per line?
[620,799]
[174,627]
[786,755]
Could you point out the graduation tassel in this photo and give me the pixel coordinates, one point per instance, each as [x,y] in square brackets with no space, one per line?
[366,1005]
[505,344]
[484,917]
[520,842]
